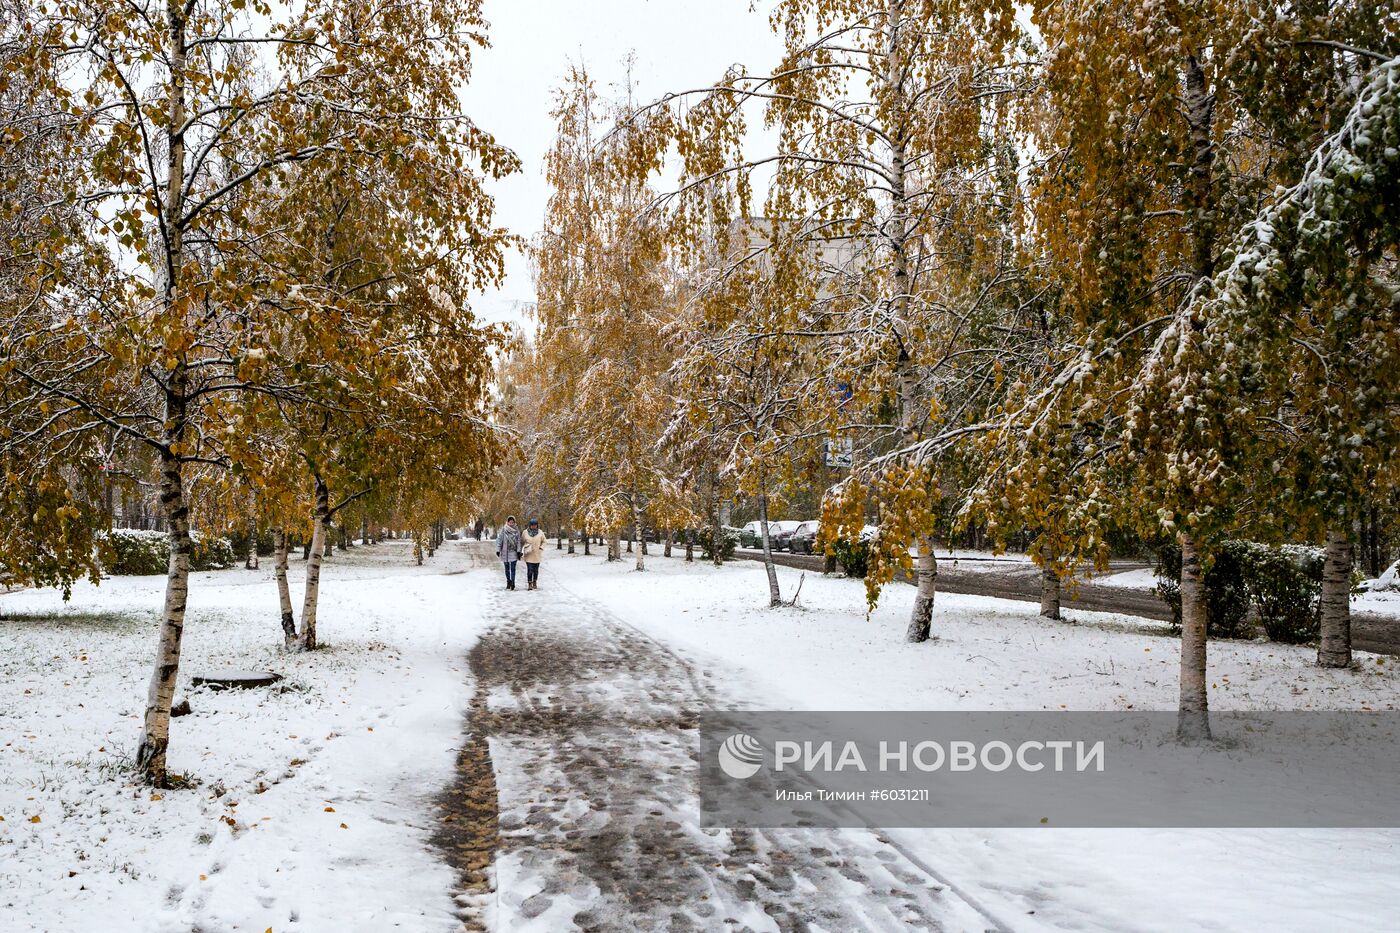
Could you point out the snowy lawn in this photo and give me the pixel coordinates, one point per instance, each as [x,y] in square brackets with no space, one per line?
[311,806]
[1381,602]
[999,655]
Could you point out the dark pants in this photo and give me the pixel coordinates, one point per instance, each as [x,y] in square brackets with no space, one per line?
[510,573]
[532,573]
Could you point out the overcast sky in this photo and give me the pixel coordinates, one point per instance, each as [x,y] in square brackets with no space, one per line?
[678,44]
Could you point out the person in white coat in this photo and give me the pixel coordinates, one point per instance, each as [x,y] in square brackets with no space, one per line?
[533,552]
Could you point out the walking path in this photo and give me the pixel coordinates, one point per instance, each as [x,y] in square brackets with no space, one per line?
[576,803]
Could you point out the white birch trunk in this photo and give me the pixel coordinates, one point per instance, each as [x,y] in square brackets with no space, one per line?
[1193,716]
[284,592]
[775,597]
[926,562]
[155,737]
[250,559]
[307,639]
[637,530]
[1050,592]
[1334,637]
[926,578]
[714,524]
[155,734]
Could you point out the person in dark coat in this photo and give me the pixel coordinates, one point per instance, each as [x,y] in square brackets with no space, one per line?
[508,549]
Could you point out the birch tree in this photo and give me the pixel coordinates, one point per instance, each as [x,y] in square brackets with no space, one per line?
[607,301]
[188,108]
[1299,281]
[1154,155]
[745,384]
[881,109]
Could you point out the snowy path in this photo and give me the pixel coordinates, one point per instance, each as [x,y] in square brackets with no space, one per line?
[591,745]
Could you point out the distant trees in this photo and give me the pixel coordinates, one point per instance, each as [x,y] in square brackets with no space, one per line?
[605,299]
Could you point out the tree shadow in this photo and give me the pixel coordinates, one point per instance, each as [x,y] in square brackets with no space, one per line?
[115,620]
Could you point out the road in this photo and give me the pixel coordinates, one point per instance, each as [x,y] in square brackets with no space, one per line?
[1369,632]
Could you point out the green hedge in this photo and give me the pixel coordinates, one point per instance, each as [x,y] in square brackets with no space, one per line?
[854,556]
[705,538]
[1283,586]
[211,553]
[134,552]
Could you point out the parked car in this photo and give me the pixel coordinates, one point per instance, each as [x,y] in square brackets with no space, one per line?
[780,533]
[748,535]
[804,538]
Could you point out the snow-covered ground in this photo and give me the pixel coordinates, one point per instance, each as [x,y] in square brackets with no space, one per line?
[994,654]
[312,803]
[991,653]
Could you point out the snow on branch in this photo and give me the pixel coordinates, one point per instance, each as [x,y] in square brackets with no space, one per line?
[1306,240]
